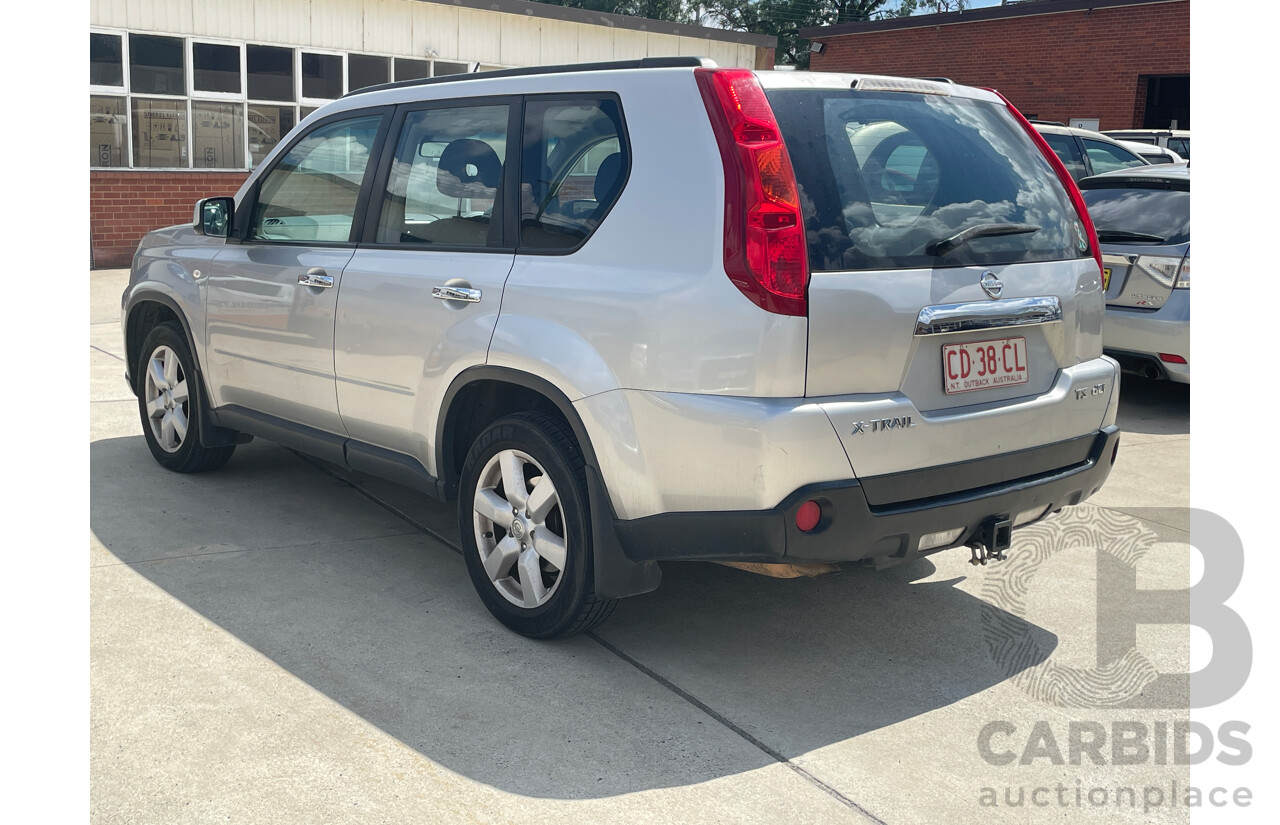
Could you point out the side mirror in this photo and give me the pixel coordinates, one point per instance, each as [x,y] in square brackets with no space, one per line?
[213,217]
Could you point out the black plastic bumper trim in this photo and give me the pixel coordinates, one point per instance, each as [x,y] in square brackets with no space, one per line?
[856,529]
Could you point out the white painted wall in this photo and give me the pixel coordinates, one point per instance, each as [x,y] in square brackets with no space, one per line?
[407,28]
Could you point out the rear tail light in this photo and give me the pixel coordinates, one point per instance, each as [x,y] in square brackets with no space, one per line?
[1168,272]
[764,239]
[1077,200]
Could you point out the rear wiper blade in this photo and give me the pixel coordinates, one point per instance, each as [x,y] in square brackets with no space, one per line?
[983,230]
[1121,236]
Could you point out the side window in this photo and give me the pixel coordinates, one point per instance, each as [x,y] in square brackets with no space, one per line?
[446,178]
[1068,151]
[574,165]
[1182,146]
[311,193]
[1105,157]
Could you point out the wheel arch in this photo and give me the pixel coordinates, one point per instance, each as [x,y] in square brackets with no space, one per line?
[491,392]
[146,309]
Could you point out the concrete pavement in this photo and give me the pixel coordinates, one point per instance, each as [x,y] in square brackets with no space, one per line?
[282,642]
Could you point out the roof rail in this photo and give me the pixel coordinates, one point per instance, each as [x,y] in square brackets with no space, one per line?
[938,80]
[1045,122]
[643,63]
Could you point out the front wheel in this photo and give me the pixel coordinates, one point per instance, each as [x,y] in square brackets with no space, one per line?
[526,533]
[169,404]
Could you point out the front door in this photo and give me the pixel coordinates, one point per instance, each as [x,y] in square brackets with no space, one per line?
[271,298]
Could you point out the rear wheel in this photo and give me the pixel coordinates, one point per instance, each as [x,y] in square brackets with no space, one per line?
[169,404]
[526,535]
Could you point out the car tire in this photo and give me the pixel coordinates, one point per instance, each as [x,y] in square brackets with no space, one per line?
[169,403]
[527,545]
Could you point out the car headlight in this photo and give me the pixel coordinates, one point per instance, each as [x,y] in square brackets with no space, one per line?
[1174,273]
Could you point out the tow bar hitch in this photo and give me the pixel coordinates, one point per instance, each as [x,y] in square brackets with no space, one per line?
[991,542]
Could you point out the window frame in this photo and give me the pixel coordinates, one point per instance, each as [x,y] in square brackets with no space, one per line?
[244,211]
[192,96]
[624,146]
[510,195]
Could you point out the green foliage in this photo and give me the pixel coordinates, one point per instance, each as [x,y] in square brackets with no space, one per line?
[781,18]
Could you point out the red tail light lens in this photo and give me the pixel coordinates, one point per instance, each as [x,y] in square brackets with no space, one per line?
[764,241]
[1077,200]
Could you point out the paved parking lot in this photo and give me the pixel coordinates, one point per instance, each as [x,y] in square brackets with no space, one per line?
[282,642]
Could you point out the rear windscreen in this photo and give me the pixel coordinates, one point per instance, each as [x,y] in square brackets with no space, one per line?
[1162,213]
[885,176]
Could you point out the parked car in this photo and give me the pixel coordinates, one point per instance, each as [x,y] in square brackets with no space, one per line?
[1143,219]
[1179,140]
[1087,153]
[1151,153]
[648,311]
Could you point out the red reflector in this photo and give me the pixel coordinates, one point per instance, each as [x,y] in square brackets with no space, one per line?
[1170,358]
[808,516]
[765,251]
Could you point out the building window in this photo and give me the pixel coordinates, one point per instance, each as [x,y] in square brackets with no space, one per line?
[270,73]
[443,67]
[267,125]
[107,125]
[412,69]
[217,135]
[159,133]
[216,68]
[364,70]
[156,66]
[106,63]
[322,76]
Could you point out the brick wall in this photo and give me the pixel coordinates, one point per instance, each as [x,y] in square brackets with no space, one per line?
[1054,66]
[125,205]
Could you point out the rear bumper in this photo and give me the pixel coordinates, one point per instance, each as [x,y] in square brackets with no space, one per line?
[854,528]
[1134,334]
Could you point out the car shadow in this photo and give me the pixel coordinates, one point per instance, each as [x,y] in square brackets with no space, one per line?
[382,619]
[1154,407]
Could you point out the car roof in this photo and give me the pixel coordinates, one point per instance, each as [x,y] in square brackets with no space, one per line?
[1059,129]
[1142,174]
[1150,132]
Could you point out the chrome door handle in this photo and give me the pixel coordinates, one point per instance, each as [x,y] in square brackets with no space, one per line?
[456,293]
[316,277]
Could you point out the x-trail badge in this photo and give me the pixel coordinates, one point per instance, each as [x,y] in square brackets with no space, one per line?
[991,285]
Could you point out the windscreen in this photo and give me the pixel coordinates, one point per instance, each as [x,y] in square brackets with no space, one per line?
[1161,213]
[886,177]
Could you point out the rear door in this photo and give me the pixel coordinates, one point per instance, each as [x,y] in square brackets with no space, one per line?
[914,325]
[272,293]
[420,298]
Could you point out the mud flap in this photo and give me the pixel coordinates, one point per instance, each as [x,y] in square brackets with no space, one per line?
[616,575]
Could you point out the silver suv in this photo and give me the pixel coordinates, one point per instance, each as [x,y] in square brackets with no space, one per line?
[649,311]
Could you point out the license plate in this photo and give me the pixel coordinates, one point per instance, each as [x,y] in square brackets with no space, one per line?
[1106,278]
[984,365]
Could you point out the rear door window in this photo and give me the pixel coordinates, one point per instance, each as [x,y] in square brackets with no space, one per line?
[1106,157]
[884,176]
[446,178]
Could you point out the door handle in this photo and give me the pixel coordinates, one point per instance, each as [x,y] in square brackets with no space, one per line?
[456,293]
[316,277]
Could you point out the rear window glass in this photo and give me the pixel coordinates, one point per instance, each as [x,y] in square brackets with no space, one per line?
[1160,212]
[885,176]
